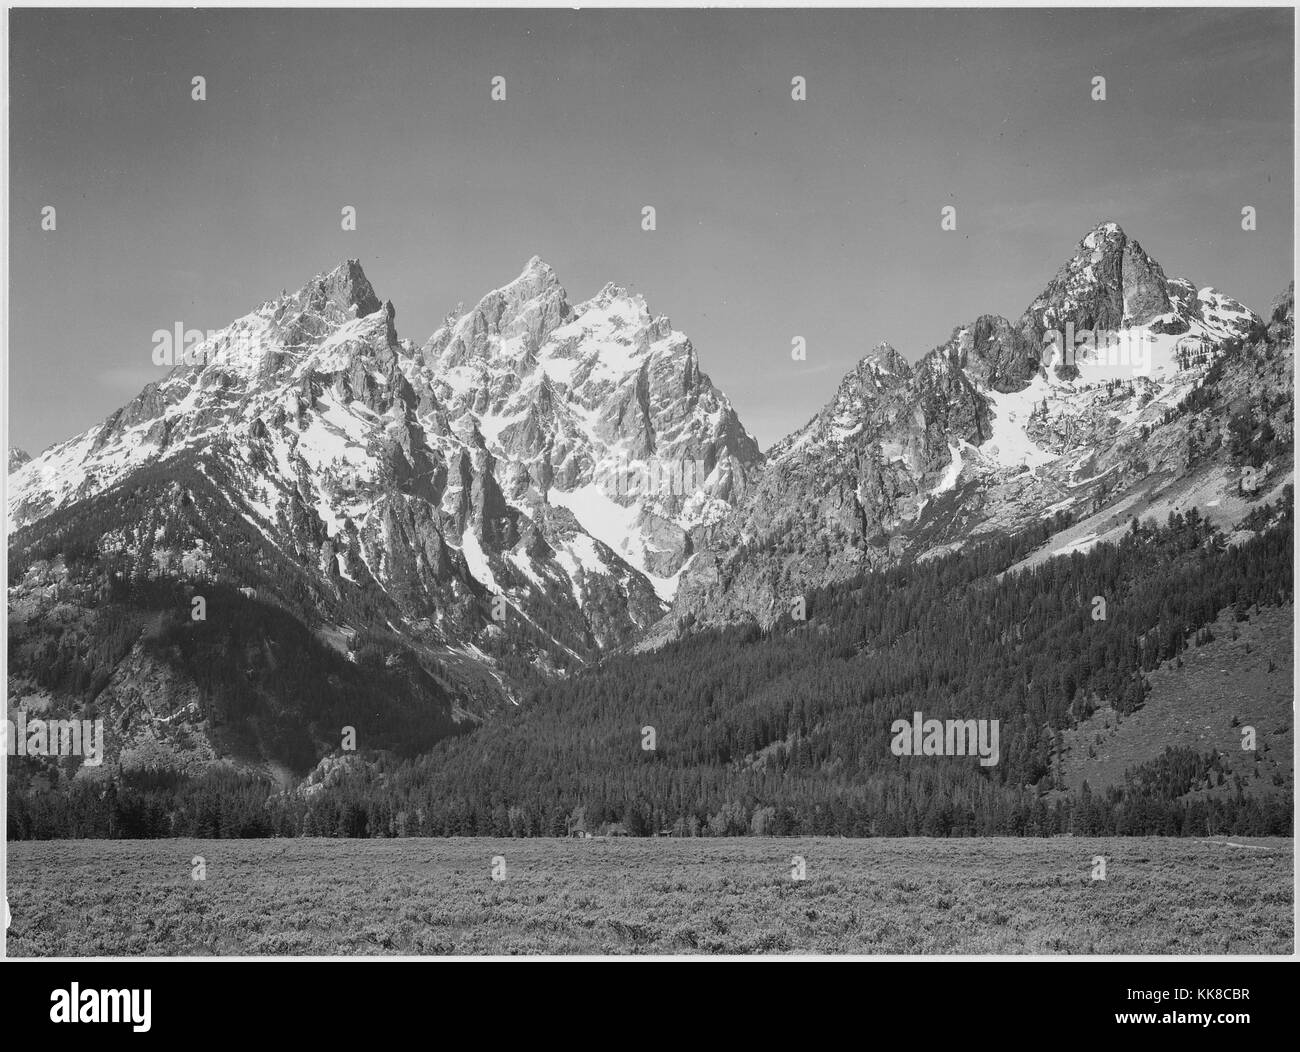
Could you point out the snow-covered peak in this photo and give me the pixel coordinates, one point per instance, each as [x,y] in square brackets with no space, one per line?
[345,289]
[571,459]
[581,404]
[508,323]
[612,292]
[1111,289]
[536,272]
[223,390]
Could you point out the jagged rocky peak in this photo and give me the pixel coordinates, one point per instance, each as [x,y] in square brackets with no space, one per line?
[883,358]
[599,407]
[17,458]
[612,291]
[346,289]
[1108,283]
[876,378]
[881,369]
[1281,316]
[1111,286]
[331,325]
[536,284]
[509,322]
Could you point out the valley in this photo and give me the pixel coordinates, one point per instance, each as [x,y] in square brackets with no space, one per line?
[664,896]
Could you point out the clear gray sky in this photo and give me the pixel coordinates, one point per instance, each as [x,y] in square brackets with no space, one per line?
[776,218]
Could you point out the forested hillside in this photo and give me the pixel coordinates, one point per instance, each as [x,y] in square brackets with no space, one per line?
[196,666]
[787,730]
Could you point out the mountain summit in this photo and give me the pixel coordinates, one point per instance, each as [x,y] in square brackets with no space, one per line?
[1073,409]
[1108,283]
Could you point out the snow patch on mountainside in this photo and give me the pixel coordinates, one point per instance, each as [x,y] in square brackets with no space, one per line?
[953,472]
[1010,445]
[477,561]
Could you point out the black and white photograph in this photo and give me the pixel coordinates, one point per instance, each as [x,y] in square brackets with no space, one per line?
[589,483]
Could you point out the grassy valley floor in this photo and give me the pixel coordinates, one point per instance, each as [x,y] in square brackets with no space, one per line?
[622,896]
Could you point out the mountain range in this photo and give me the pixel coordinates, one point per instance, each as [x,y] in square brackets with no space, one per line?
[409,539]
